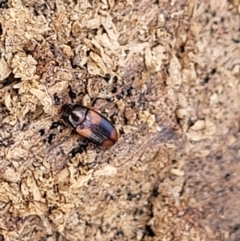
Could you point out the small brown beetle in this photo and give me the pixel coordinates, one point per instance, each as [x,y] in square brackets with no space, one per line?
[90,124]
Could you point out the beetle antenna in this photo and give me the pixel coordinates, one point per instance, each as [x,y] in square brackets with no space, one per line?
[71,93]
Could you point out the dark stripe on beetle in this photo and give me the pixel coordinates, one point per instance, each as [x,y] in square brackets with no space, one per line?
[102,130]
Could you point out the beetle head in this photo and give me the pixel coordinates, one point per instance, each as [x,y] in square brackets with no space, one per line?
[73,115]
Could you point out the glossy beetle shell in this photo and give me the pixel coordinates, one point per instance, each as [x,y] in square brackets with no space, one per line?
[90,124]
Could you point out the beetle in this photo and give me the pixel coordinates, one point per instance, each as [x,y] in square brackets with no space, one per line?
[90,124]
